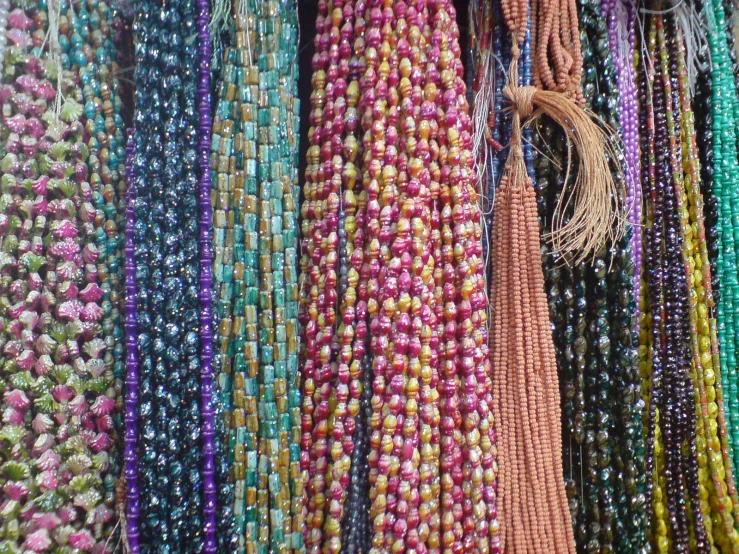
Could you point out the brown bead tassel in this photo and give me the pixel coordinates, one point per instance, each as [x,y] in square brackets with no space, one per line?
[534,513]
[532,500]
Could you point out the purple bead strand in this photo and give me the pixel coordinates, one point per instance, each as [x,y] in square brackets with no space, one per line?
[621,18]
[132,365]
[206,280]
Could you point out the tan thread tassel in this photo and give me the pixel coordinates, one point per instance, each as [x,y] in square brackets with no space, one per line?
[596,216]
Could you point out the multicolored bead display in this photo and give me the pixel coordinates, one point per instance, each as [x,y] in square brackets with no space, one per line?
[203,351]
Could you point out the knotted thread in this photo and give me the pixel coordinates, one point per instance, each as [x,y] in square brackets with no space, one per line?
[597,215]
[521,99]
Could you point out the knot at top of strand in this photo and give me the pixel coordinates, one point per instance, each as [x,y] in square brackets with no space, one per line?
[521,98]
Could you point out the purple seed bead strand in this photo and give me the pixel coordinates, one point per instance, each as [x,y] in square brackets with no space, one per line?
[206,281]
[132,366]
[621,18]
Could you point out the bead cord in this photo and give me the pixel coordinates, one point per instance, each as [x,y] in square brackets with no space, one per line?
[621,17]
[598,444]
[132,364]
[530,347]
[708,236]
[206,280]
[383,210]
[618,430]
[704,345]
[516,495]
[724,163]
[255,179]
[165,164]
[53,302]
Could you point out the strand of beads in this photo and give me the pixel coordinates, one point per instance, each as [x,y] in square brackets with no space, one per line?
[130,455]
[477,429]
[342,119]
[710,400]
[57,401]
[671,395]
[650,371]
[381,118]
[703,107]
[96,63]
[725,164]
[206,281]
[389,322]
[311,220]
[323,225]
[420,277]
[592,312]
[357,525]
[621,18]
[600,92]
[255,188]
[677,226]
[165,162]
[105,127]
[235,269]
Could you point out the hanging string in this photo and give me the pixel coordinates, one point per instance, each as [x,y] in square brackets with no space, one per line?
[596,215]
[55,59]
[220,23]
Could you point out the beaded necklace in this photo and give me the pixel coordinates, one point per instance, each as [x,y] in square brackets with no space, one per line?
[724,162]
[255,272]
[711,412]
[621,18]
[172,303]
[419,289]
[673,392]
[57,376]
